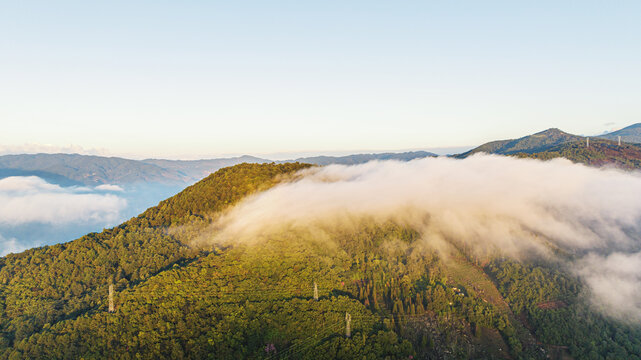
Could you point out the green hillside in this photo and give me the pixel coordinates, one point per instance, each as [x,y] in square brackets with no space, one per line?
[42,286]
[257,301]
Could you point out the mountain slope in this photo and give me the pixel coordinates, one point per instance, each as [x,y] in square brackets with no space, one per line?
[629,134]
[177,300]
[238,302]
[528,144]
[256,300]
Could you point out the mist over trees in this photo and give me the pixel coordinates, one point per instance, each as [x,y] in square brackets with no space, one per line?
[179,293]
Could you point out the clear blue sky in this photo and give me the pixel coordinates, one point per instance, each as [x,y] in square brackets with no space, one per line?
[205,78]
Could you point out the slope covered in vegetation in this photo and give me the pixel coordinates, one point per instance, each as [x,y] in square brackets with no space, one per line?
[400,297]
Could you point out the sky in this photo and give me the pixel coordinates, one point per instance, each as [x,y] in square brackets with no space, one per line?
[194,79]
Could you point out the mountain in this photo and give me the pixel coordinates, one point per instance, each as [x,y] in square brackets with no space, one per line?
[528,144]
[554,143]
[286,296]
[630,134]
[363,158]
[75,169]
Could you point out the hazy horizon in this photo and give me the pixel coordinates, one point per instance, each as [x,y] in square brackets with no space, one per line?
[277,156]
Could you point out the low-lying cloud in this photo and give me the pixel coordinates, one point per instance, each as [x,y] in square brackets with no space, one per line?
[516,206]
[615,282]
[31,199]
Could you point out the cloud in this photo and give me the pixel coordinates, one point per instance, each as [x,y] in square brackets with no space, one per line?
[109,187]
[614,281]
[31,199]
[519,207]
[26,184]
[8,246]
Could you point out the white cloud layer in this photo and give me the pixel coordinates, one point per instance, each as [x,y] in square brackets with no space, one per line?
[492,203]
[31,199]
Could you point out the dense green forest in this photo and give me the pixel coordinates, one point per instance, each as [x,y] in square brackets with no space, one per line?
[399,298]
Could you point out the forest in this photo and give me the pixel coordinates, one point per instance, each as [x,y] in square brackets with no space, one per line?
[371,290]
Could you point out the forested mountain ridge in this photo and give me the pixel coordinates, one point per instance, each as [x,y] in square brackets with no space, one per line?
[538,142]
[229,301]
[553,143]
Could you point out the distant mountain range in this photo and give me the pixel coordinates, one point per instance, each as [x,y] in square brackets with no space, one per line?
[363,158]
[192,170]
[74,169]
